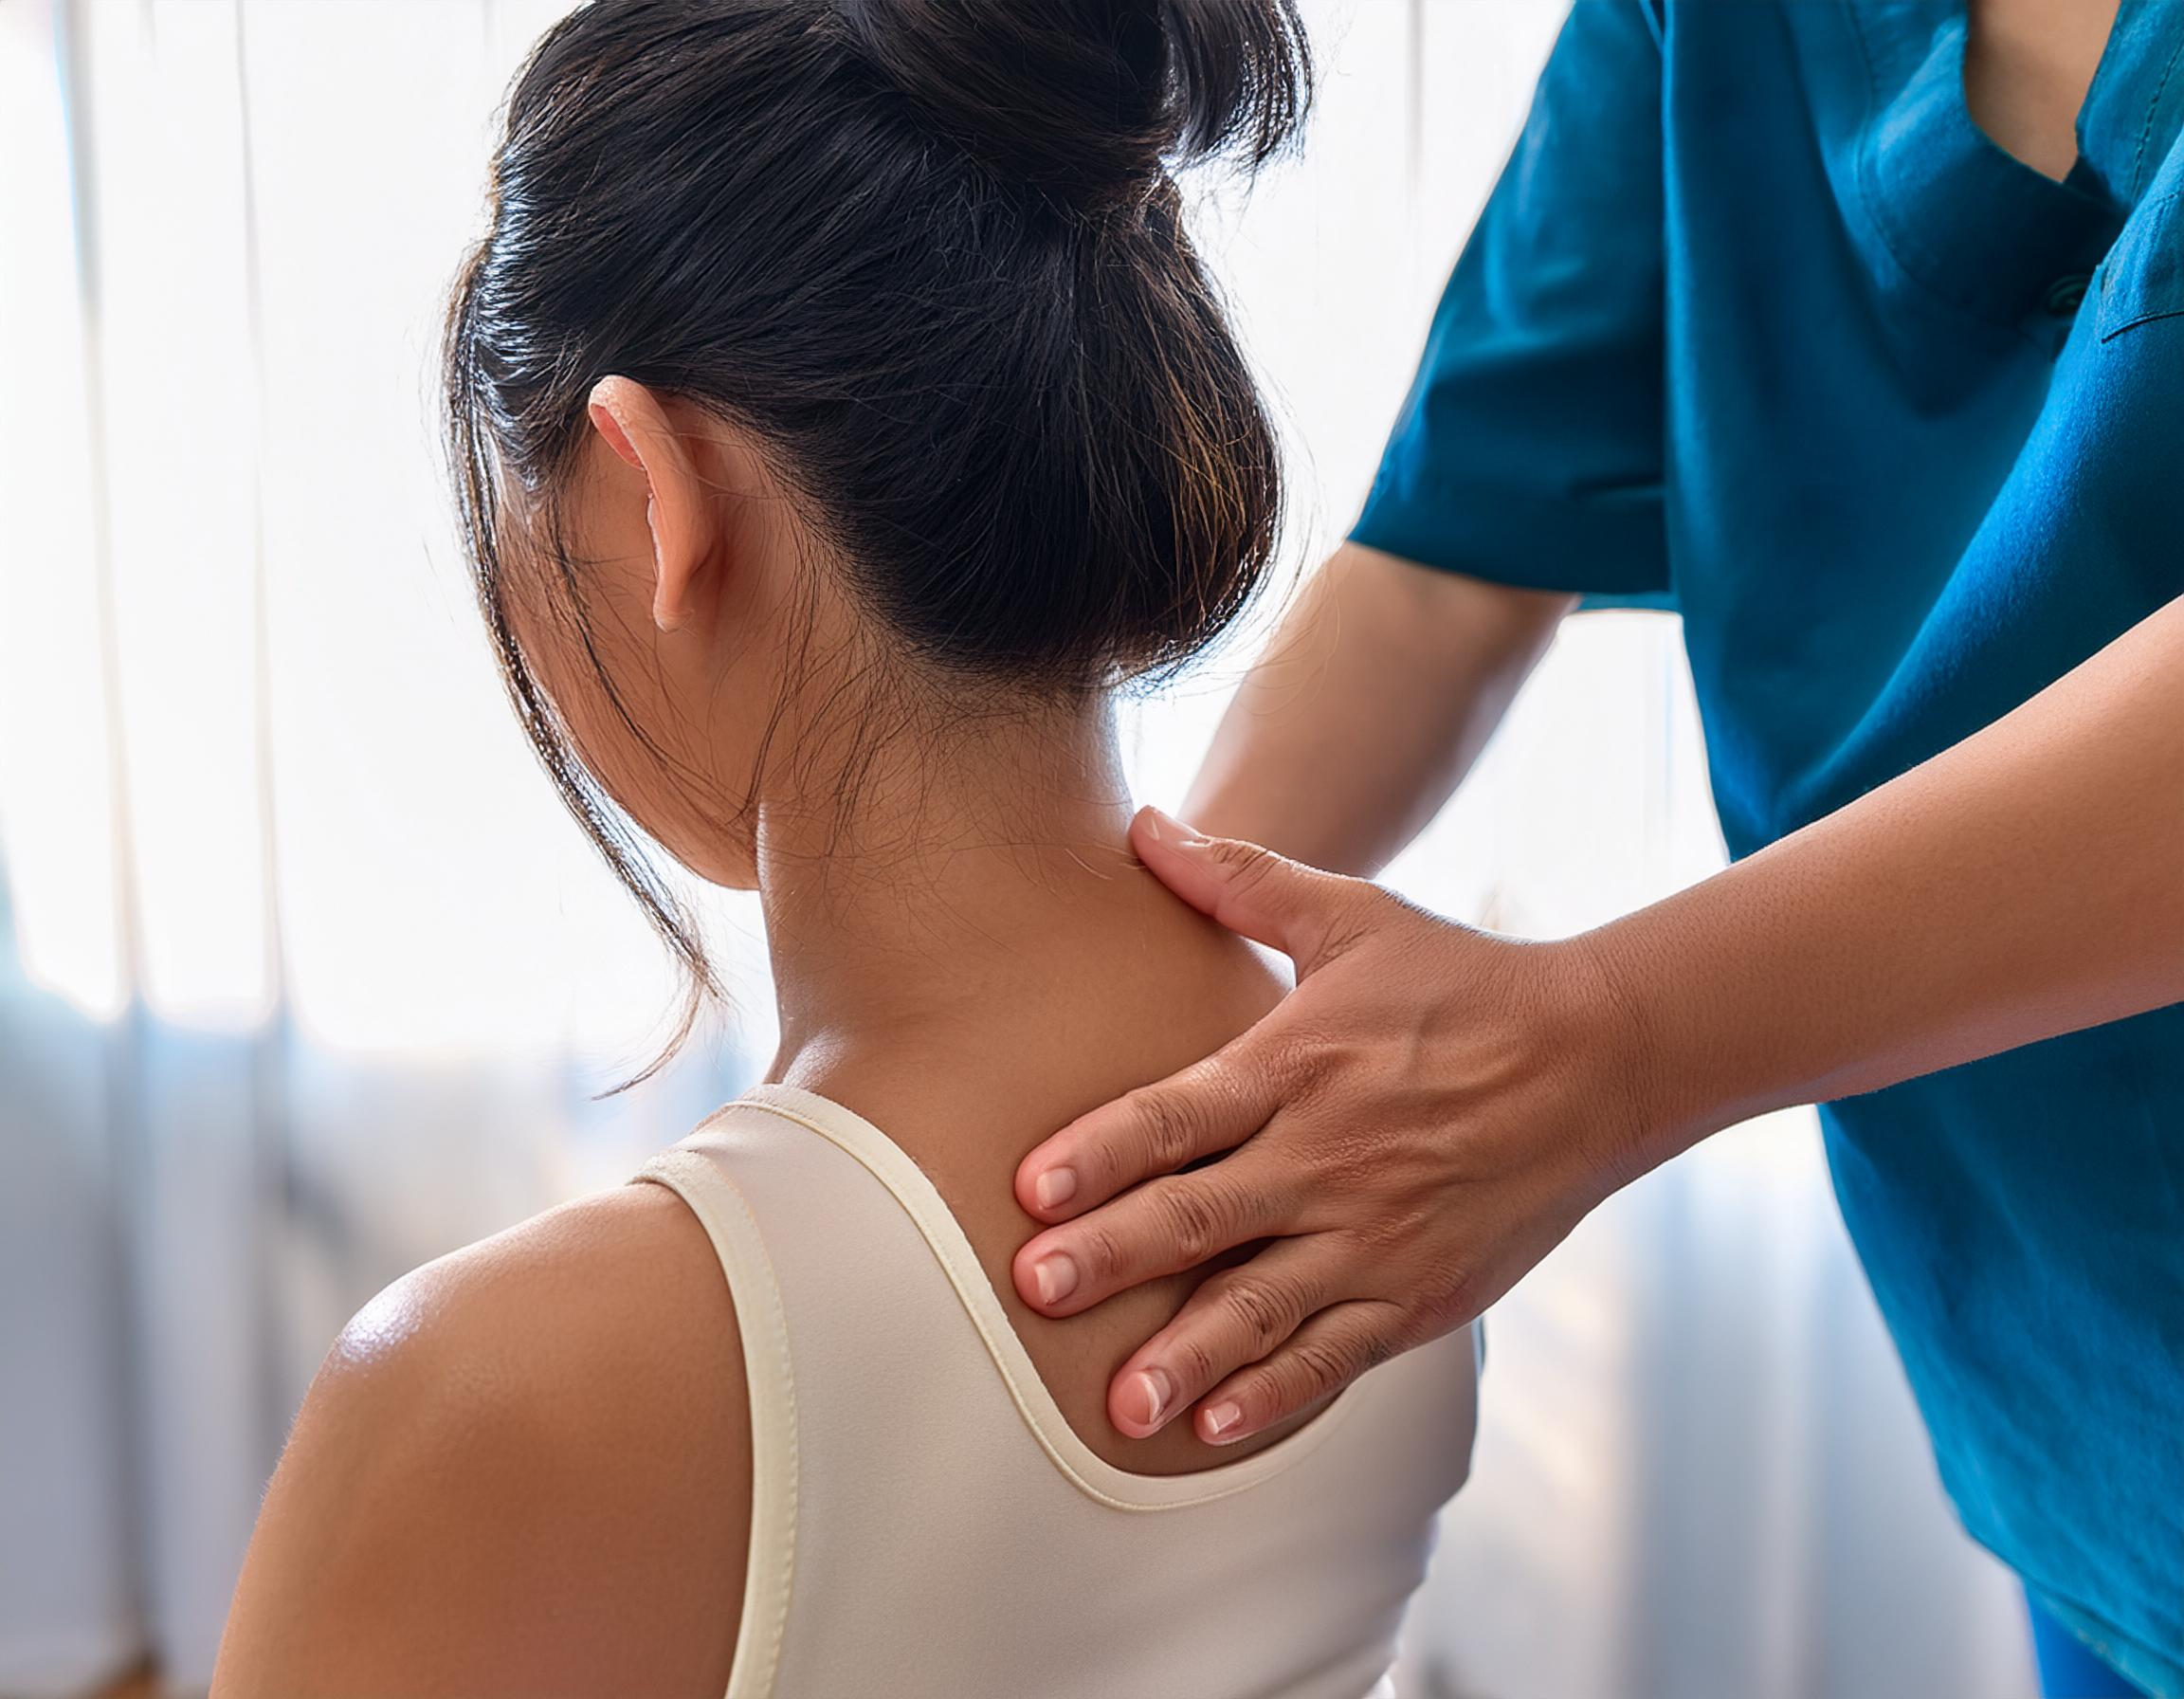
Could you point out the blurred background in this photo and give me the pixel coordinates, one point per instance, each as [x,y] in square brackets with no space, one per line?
[304,978]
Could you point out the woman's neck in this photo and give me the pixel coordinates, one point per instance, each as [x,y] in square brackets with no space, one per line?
[970,956]
[980,917]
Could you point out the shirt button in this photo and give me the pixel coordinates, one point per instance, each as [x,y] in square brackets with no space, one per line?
[2065,295]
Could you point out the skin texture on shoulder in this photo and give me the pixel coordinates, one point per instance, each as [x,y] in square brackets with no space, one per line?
[523,1469]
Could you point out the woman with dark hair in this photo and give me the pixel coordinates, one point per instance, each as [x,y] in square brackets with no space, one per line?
[841,417]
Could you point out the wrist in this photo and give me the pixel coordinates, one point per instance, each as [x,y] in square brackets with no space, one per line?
[1655,1097]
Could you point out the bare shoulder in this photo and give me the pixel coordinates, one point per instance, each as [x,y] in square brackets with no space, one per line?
[523,1469]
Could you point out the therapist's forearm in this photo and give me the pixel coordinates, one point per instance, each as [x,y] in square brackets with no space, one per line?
[1376,696]
[2025,882]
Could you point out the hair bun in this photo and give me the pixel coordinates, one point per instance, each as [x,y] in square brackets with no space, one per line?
[1089,100]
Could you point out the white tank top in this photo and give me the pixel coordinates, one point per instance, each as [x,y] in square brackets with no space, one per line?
[925,1526]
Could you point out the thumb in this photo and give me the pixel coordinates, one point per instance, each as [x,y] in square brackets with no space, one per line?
[1282,904]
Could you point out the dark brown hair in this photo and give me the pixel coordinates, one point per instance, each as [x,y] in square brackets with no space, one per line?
[929,255]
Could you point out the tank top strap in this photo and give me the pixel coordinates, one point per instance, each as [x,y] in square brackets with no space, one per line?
[914,1488]
[713,1196]
[914,1206]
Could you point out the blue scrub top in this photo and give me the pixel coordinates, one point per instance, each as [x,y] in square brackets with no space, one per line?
[1759,325]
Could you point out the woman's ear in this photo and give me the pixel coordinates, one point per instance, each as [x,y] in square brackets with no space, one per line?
[678,509]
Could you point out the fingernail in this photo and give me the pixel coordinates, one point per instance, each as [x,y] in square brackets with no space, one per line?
[1223,1417]
[1055,1276]
[1055,1187]
[1155,1390]
[1167,828]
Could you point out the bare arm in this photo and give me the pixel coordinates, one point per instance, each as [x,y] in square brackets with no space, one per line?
[1371,703]
[1434,1107]
[524,1471]
[2026,883]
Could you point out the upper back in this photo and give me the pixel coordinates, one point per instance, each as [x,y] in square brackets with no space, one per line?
[923,1520]
[574,1459]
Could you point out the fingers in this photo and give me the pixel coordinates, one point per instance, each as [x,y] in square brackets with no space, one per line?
[1162,1228]
[1210,1107]
[1323,1356]
[1236,1317]
[1299,911]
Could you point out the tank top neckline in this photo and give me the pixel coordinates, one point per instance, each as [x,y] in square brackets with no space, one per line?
[1092,1474]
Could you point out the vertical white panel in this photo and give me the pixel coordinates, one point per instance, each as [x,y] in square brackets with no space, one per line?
[68,1617]
[56,821]
[181,440]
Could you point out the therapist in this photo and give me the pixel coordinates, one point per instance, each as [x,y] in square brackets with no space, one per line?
[1825,325]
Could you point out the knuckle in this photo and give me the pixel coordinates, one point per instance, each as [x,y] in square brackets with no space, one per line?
[1227,1083]
[1167,1127]
[1193,1364]
[1257,1314]
[1295,1059]
[1289,1051]
[1321,1366]
[1100,1252]
[1245,865]
[1329,1047]
[1196,1219]
[1354,1343]
[1446,1294]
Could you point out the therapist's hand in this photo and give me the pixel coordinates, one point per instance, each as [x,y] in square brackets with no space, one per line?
[1424,1118]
